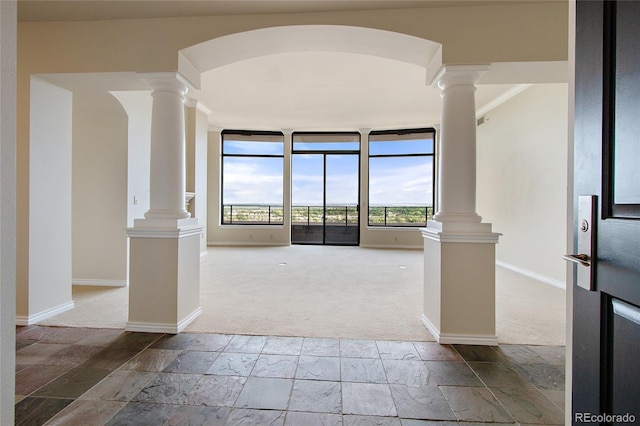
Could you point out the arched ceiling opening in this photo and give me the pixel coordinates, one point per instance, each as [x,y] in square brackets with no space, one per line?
[315,77]
[310,38]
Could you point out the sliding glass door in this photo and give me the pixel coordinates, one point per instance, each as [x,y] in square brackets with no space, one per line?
[325,192]
[341,199]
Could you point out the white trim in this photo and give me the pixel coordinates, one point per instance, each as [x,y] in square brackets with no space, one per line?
[190,102]
[435,332]
[453,75]
[151,327]
[43,315]
[246,243]
[250,227]
[200,107]
[390,228]
[101,283]
[396,246]
[167,77]
[203,256]
[189,319]
[455,237]
[533,275]
[164,232]
[501,99]
[458,339]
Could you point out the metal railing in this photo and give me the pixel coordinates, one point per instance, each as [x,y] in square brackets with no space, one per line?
[407,216]
[245,214]
[347,215]
[331,215]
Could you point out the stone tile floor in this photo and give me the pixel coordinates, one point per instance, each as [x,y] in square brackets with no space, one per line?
[80,376]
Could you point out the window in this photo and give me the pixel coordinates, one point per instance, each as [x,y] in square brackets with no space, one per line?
[401,177]
[252,178]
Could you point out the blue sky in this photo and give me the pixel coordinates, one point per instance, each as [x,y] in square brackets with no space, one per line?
[393,181]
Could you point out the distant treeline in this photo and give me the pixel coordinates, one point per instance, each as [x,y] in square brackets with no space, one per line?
[378,215]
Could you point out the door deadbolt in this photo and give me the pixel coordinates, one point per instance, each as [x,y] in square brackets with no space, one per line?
[584,225]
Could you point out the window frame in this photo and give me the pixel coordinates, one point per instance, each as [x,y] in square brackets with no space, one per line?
[400,133]
[247,134]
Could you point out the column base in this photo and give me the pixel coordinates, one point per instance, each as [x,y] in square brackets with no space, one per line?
[163,328]
[470,232]
[164,275]
[459,282]
[168,228]
[458,339]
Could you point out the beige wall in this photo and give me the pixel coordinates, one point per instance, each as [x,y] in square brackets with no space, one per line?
[48,283]
[196,153]
[100,135]
[522,179]
[137,105]
[469,34]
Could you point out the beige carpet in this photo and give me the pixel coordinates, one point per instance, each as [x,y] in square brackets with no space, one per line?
[325,291]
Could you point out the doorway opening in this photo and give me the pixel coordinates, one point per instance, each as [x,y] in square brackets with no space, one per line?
[325,189]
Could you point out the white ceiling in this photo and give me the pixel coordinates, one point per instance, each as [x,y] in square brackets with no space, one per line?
[323,91]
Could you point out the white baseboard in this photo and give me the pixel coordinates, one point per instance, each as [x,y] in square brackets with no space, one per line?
[435,332]
[392,246]
[103,283]
[533,275]
[43,315]
[458,339]
[152,327]
[245,243]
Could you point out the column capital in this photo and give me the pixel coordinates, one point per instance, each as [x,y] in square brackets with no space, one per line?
[456,75]
[167,82]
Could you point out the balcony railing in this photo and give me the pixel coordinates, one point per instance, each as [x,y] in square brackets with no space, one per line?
[336,215]
[408,216]
[245,214]
[333,215]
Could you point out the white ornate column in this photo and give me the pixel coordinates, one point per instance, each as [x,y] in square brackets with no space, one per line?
[459,250]
[457,156]
[168,175]
[164,266]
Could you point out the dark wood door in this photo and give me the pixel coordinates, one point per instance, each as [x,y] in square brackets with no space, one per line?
[606,319]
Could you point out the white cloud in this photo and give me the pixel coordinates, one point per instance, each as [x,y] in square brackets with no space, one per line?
[401,186]
[252,182]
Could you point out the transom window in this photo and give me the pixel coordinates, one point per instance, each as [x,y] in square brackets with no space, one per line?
[401,177]
[252,178]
